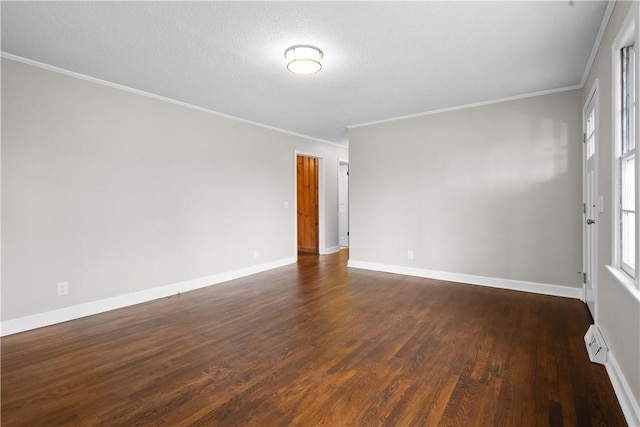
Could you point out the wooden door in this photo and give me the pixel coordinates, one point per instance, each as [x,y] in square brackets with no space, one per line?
[307,185]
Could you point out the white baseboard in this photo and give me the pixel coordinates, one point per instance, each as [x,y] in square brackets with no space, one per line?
[517,285]
[331,250]
[39,320]
[623,392]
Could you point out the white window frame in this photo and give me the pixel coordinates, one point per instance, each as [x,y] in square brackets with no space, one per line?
[625,178]
[627,36]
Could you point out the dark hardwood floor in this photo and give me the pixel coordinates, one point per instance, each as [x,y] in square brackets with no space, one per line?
[314,344]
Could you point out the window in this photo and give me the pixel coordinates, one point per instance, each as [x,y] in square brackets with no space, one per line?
[626,165]
[590,134]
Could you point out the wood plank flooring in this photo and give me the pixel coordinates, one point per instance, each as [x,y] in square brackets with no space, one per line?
[314,344]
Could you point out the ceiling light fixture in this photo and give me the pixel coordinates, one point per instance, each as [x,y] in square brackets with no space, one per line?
[303,59]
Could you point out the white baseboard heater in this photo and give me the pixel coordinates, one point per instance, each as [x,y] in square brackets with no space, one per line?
[596,347]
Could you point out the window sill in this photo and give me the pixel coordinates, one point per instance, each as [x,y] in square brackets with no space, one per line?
[625,281]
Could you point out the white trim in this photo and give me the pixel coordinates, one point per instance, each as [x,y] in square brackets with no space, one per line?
[596,44]
[154,96]
[39,320]
[331,250]
[466,106]
[516,285]
[629,405]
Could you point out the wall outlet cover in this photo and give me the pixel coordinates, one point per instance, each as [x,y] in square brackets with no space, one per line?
[63,288]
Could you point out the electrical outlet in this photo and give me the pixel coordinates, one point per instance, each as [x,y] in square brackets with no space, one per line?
[410,255]
[63,288]
[256,253]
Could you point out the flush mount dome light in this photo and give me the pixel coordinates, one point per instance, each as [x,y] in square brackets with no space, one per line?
[303,59]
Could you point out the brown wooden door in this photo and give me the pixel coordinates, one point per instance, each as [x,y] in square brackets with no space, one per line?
[307,204]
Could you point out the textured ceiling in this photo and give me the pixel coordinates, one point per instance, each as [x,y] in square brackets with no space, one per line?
[381,59]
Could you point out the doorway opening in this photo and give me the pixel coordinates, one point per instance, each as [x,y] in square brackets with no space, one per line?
[343,202]
[307,195]
[590,201]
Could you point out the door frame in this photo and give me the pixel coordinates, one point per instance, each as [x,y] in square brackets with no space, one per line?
[591,101]
[321,201]
[340,163]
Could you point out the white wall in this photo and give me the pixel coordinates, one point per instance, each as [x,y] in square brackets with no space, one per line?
[618,310]
[116,192]
[492,191]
